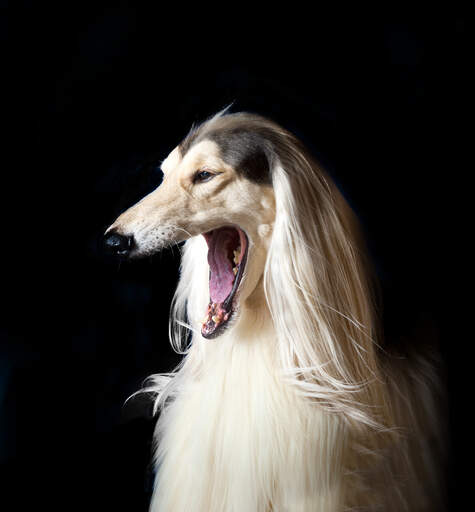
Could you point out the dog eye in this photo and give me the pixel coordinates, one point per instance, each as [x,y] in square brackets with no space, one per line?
[203,176]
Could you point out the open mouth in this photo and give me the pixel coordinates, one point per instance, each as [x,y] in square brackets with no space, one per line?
[227,255]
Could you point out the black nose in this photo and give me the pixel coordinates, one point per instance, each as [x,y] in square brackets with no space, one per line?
[117,244]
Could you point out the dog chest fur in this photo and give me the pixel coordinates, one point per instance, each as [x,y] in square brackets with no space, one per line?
[238,438]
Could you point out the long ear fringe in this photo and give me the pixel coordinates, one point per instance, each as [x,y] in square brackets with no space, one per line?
[317,291]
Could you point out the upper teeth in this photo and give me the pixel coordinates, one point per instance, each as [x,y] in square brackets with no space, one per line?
[237,255]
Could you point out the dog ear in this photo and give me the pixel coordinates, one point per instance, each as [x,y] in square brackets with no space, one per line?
[318,293]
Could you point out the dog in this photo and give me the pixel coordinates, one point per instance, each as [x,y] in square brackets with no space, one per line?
[286,398]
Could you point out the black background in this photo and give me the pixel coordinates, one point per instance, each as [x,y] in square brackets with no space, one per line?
[95,97]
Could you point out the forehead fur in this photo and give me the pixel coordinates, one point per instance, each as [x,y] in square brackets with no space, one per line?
[204,153]
[247,142]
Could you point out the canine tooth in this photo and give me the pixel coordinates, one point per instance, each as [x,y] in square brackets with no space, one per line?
[215,319]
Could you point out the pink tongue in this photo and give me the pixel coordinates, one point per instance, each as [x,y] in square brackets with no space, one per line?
[220,246]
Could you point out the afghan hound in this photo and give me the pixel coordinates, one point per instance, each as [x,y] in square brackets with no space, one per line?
[286,399]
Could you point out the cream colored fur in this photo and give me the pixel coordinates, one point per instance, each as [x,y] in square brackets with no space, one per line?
[296,407]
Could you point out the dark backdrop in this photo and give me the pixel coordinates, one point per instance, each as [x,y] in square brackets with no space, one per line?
[95,97]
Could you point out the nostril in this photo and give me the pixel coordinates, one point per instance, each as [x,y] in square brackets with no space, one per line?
[120,245]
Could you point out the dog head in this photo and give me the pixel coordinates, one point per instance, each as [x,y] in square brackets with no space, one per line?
[217,183]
